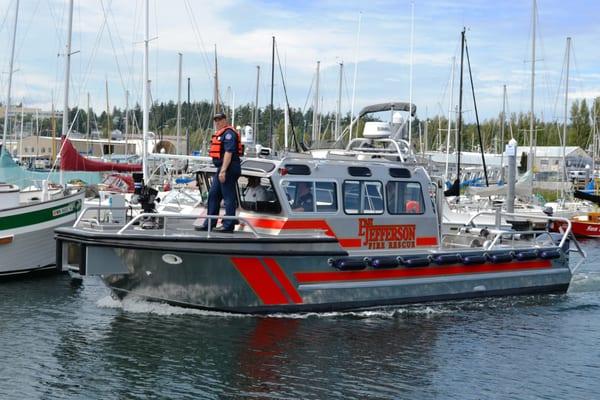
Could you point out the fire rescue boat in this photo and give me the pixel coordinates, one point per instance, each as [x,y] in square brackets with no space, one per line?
[324,234]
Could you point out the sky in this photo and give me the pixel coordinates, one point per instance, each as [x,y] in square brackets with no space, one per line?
[108,47]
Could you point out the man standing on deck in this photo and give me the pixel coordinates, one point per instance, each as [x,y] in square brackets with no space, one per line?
[225,150]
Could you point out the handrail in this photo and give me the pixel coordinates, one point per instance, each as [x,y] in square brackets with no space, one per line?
[567,234]
[165,217]
[97,208]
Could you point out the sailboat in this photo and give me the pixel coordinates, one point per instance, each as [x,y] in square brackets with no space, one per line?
[28,218]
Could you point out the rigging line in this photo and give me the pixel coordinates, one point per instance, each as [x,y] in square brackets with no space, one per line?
[85,75]
[287,104]
[112,44]
[128,68]
[60,22]
[578,81]
[558,89]
[547,82]
[198,37]
[6,13]
[309,92]
[133,78]
[477,116]
[510,116]
[54,19]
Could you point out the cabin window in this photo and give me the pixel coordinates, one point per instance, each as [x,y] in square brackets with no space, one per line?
[307,196]
[404,198]
[256,194]
[297,169]
[326,194]
[359,171]
[363,197]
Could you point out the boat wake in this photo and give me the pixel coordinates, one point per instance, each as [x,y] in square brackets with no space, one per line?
[141,306]
[585,282]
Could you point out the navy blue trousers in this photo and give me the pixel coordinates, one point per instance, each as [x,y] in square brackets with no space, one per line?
[224,191]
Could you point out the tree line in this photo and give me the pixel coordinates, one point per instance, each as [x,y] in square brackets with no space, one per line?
[430,134]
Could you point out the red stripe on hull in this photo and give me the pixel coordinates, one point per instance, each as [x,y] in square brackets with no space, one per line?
[350,242]
[427,241]
[259,280]
[282,278]
[320,277]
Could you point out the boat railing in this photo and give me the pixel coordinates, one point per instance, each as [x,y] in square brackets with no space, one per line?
[164,222]
[166,217]
[98,221]
[567,234]
[394,149]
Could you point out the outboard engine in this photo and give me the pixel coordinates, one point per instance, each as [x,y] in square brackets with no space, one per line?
[142,194]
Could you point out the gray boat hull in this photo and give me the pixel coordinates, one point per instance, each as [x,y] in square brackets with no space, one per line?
[267,276]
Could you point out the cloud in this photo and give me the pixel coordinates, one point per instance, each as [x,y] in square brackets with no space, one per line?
[498,38]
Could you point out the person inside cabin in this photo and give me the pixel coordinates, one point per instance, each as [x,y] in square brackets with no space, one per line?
[225,151]
[254,190]
[304,198]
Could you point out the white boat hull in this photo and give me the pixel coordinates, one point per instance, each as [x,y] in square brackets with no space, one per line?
[27,233]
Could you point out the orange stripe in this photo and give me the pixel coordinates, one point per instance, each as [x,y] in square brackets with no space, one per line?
[266,223]
[259,280]
[309,224]
[282,278]
[328,276]
[6,239]
[427,241]
[350,242]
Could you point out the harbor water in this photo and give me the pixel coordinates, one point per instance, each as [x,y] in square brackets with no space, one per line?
[66,340]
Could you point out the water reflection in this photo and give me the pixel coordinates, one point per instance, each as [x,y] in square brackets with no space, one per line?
[57,342]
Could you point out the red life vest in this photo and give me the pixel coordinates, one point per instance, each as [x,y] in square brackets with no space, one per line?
[216,144]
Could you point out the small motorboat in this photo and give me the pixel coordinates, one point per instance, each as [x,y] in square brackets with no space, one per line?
[586,225]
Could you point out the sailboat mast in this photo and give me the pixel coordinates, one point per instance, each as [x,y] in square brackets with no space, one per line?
[37,134]
[65,119]
[271,142]
[410,79]
[108,130]
[503,123]
[255,122]
[179,105]
[216,105]
[10,73]
[126,121]
[338,114]
[315,117]
[145,112]
[354,79]
[460,99]
[564,133]
[530,159]
[189,119]
[450,110]
[21,135]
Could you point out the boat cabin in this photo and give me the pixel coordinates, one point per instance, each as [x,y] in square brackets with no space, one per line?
[365,205]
